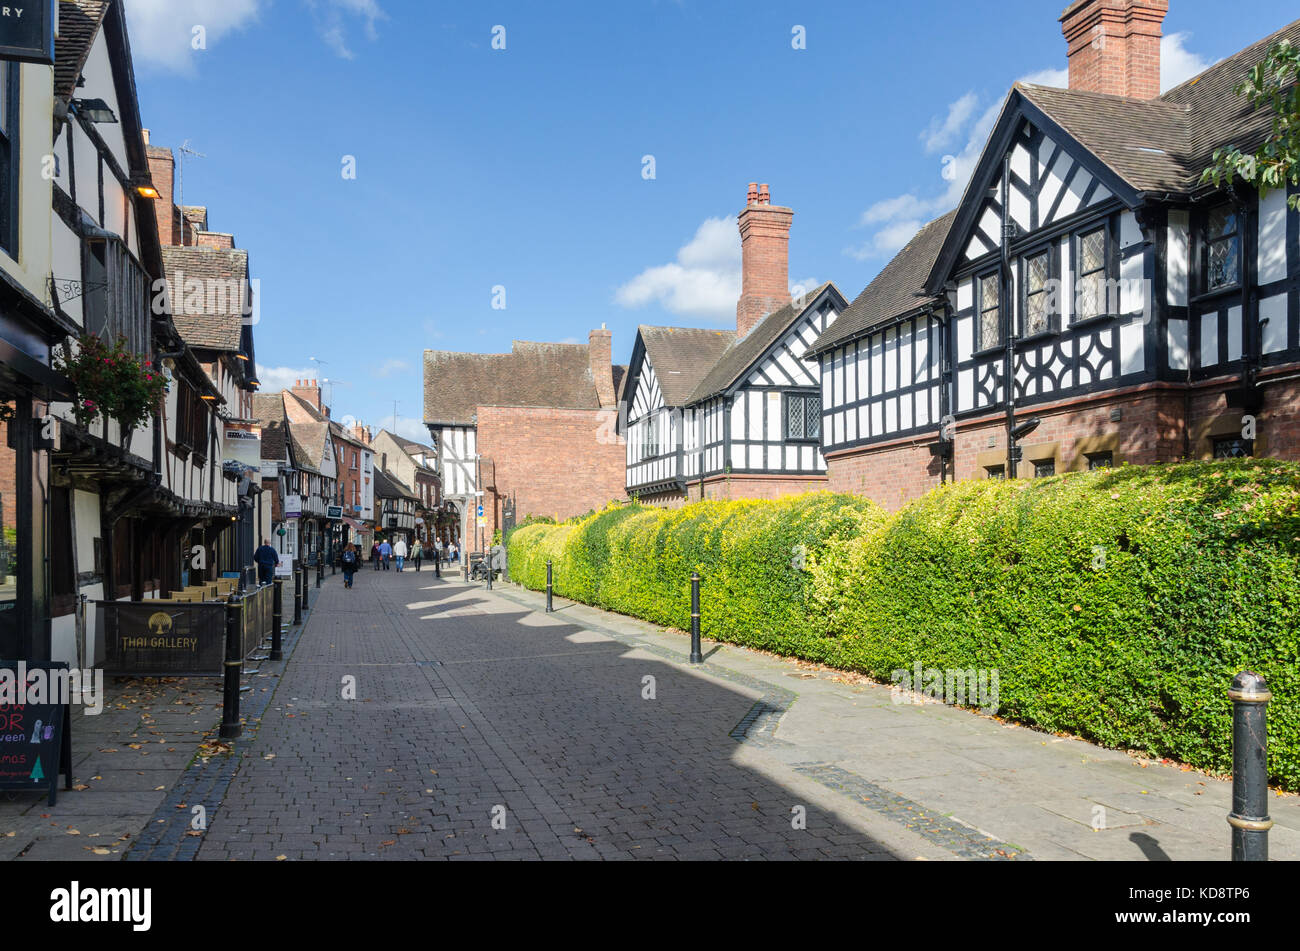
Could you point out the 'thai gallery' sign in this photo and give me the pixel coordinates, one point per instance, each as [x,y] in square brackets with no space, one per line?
[27,31]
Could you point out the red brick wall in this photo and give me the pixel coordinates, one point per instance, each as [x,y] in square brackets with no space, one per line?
[213,239]
[556,462]
[754,487]
[8,479]
[1157,424]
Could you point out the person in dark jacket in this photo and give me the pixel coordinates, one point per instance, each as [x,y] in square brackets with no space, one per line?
[351,562]
[267,559]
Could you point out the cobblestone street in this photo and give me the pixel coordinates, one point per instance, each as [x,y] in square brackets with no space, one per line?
[481,730]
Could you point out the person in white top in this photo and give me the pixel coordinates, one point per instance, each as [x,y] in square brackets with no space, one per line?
[399,552]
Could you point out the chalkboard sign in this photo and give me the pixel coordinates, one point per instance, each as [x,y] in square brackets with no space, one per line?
[35,737]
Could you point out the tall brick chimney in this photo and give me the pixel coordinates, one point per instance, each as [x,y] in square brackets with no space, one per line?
[309,392]
[765,253]
[1114,46]
[600,351]
[162,169]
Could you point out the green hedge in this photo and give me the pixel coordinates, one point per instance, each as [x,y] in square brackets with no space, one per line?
[1114,605]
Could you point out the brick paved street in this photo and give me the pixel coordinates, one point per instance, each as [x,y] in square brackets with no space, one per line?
[468,706]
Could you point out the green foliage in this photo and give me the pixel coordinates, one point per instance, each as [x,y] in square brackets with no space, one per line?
[112,381]
[1271,85]
[1115,605]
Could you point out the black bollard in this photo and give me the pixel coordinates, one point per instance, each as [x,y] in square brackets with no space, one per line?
[550,589]
[488,563]
[230,727]
[320,569]
[277,619]
[297,596]
[1249,817]
[697,656]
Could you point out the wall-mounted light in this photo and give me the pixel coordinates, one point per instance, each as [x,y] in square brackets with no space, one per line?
[147,191]
[94,110]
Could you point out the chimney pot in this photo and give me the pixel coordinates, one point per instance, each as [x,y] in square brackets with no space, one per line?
[764,195]
[752,197]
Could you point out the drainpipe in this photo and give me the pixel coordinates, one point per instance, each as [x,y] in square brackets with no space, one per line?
[1008,315]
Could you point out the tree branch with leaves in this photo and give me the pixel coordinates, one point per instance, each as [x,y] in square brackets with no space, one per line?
[1273,85]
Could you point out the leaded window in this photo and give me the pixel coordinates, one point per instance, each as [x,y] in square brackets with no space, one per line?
[995,472]
[650,438]
[1233,447]
[990,316]
[803,416]
[1037,294]
[1222,255]
[1044,468]
[1101,460]
[1091,297]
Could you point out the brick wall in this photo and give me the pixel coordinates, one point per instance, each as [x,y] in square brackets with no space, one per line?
[1145,426]
[8,479]
[725,488]
[556,462]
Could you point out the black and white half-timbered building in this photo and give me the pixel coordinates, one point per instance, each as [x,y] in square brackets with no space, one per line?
[1139,315]
[713,414]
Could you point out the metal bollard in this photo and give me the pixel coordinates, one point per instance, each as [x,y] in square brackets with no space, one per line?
[1249,817]
[320,569]
[488,564]
[697,656]
[297,596]
[277,619]
[230,726]
[550,589]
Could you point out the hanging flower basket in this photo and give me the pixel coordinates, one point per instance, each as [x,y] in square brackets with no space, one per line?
[112,382]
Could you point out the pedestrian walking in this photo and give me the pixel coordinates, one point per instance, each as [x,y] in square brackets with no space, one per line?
[374,553]
[400,552]
[351,562]
[437,551]
[385,553]
[267,559]
[417,555]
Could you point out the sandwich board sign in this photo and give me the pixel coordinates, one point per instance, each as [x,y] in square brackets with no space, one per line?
[35,727]
[27,32]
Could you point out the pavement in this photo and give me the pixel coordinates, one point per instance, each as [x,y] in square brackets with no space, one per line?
[416,718]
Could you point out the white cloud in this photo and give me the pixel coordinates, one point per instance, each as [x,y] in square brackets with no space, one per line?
[283,378]
[390,367]
[334,20]
[406,427]
[943,132]
[1177,63]
[162,31]
[704,281]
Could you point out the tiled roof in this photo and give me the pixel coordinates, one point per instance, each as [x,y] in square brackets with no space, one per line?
[388,486]
[893,292]
[268,410]
[215,322]
[743,352]
[532,374]
[308,444]
[79,22]
[682,357]
[1165,144]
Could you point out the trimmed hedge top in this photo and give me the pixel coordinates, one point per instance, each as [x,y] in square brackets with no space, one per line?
[1116,605]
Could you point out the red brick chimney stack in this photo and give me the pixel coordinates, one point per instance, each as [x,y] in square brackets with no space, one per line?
[600,351]
[765,253]
[1114,46]
[309,392]
[162,169]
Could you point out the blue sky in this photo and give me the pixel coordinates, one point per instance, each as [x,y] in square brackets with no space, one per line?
[522,167]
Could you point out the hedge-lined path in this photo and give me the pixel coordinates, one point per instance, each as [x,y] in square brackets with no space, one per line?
[1039,793]
[470,708]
